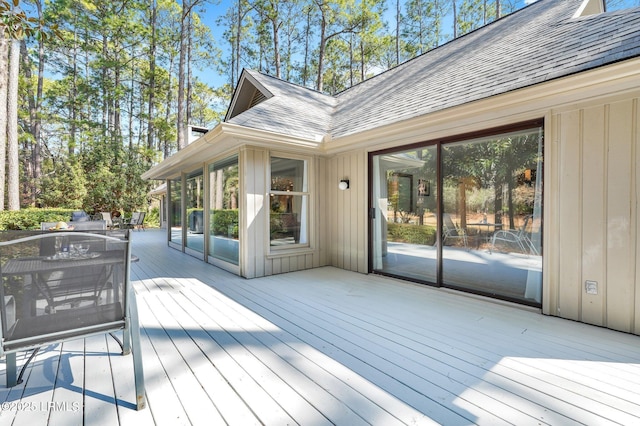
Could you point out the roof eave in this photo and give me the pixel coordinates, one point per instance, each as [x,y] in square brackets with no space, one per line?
[223,138]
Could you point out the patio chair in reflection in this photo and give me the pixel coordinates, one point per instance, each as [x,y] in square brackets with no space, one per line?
[451,231]
[106,216]
[136,221]
[516,237]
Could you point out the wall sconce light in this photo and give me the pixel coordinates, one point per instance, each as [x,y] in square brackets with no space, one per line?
[344,184]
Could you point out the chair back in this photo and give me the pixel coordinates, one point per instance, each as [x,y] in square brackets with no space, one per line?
[449,227]
[80,216]
[106,216]
[64,295]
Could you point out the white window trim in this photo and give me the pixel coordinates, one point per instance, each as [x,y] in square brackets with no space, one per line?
[281,250]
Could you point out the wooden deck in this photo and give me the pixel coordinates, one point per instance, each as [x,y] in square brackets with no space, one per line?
[328,347]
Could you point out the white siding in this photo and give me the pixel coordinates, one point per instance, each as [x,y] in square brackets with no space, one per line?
[597,224]
[348,218]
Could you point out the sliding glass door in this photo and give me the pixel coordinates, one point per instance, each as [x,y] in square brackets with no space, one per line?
[481,195]
[404,207]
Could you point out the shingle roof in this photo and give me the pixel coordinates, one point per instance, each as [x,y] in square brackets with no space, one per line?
[540,42]
[292,110]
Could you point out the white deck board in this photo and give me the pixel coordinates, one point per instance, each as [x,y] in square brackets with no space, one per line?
[99,393]
[327,346]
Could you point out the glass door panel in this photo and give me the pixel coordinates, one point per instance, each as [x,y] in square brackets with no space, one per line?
[175,213]
[491,221]
[195,219]
[223,211]
[405,220]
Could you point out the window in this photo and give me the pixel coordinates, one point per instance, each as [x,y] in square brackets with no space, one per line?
[224,196]
[289,202]
[194,192]
[175,217]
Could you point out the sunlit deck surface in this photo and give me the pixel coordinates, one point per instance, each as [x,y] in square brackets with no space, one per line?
[327,346]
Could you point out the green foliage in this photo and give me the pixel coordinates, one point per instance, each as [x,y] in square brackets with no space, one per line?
[152,219]
[225,222]
[64,186]
[412,234]
[31,218]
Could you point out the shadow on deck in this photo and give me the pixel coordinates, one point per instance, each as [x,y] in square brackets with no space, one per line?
[327,346]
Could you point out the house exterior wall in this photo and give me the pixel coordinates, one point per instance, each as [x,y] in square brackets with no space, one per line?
[346,222]
[593,221]
[257,258]
[591,183]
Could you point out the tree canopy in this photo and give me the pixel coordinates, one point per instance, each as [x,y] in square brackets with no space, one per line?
[105,89]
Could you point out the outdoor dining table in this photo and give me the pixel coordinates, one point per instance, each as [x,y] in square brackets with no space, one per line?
[489,230]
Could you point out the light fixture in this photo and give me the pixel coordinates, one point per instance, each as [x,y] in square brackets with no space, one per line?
[344,184]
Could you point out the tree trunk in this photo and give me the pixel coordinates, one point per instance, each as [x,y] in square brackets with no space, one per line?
[455,20]
[180,125]
[276,46]
[37,126]
[307,36]
[28,184]
[240,16]
[4,78]
[13,179]
[152,76]
[398,22]
[323,43]
[189,94]
[166,148]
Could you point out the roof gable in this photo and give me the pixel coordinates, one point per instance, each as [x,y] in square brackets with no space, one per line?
[249,93]
[289,109]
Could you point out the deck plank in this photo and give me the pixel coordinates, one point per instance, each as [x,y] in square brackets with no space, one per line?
[308,379]
[199,407]
[68,394]
[99,394]
[327,346]
[233,409]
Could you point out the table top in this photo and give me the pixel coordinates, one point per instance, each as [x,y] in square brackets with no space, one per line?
[48,263]
[497,225]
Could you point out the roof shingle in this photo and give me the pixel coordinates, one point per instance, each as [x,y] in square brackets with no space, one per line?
[538,43]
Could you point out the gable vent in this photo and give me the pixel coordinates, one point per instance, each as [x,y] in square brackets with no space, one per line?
[258,97]
[589,7]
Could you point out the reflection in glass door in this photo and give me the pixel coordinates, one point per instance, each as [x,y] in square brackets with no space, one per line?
[194,192]
[484,197]
[404,214]
[223,200]
[175,213]
[492,215]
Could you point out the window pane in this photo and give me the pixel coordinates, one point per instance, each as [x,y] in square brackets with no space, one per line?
[288,219]
[195,220]
[176,211]
[405,220]
[223,198]
[491,222]
[288,175]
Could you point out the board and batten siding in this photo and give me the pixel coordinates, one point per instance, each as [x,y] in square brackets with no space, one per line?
[346,219]
[257,260]
[592,214]
[591,217]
